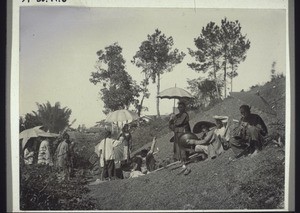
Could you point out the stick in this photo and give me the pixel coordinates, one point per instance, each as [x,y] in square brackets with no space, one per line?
[171,164]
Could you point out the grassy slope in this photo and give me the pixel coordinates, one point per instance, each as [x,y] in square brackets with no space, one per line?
[219,184]
[213,184]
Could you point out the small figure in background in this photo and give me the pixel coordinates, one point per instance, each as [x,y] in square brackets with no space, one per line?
[127,141]
[44,156]
[29,153]
[63,158]
[72,157]
[107,157]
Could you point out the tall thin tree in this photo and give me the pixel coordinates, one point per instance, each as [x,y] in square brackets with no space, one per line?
[208,53]
[234,48]
[155,56]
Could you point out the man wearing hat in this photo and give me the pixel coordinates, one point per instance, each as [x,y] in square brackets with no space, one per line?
[222,130]
[208,143]
[249,135]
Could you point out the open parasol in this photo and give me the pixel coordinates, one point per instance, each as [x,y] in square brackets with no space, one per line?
[174,93]
[121,116]
[34,133]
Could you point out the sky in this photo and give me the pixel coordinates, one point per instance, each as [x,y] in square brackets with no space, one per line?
[58,48]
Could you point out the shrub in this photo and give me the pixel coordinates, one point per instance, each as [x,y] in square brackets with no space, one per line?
[41,190]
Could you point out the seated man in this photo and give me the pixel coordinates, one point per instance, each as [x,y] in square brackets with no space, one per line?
[250,133]
[145,162]
[208,143]
[222,130]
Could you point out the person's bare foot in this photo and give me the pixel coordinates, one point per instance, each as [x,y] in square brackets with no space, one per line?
[254,153]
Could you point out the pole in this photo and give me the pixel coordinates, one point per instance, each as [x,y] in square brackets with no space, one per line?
[174,103]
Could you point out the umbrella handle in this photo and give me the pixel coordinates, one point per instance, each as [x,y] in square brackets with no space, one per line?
[174,105]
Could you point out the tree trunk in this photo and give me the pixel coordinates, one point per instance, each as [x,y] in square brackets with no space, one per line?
[157,100]
[141,106]
[225,73]
[215,76]
[231,78]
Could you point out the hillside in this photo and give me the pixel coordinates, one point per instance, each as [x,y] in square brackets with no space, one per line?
[252,183]
[230,107]
[212,184]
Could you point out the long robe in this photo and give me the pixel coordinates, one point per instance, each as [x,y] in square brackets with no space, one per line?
[179,125]
[63,155]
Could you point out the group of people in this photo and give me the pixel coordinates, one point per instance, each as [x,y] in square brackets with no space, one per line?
[61,157]
[211,141]
[114,152]
[246,138]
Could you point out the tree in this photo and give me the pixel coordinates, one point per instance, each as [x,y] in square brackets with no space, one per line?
[52,118]
[145,94]
[204,91]
[234,48]
[119,91]
[31,120]
[155,56]
[208,52]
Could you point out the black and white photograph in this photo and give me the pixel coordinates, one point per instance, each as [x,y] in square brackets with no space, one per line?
[150,106]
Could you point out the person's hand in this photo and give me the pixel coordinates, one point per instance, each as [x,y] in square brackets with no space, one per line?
[172,116]
[190,141]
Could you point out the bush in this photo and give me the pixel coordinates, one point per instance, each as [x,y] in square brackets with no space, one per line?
[40,190]
[265,193]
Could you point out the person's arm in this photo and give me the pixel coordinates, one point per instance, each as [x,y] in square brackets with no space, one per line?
[204,141]
[262,126]
[151,151]
[182,120]
[207,139]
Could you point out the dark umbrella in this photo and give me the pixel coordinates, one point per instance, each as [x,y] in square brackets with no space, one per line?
[198,126]
[254,100]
